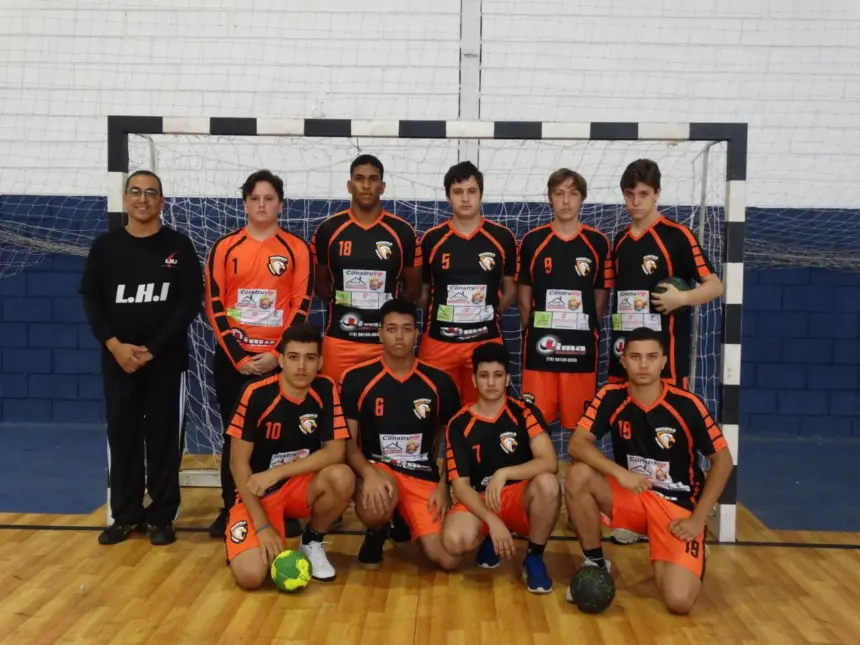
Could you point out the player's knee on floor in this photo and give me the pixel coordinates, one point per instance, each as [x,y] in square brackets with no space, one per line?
[249,572]
[679,600]
[435,551]
[457,540]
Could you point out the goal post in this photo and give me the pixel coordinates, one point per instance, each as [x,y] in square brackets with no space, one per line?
[524,151]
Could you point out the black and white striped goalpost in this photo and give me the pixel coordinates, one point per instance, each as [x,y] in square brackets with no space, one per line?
[733,134]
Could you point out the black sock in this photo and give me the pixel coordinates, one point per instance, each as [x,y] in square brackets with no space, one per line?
[311,536]
[596,556]
[536,549]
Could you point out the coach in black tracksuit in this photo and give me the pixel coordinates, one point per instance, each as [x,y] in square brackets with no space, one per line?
[142,287]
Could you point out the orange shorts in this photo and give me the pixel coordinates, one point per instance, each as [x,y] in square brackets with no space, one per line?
[455,359]
[560,394]
[513,511]
[412,497]
[683,382]
[339,355]
[290,501]
[650,514]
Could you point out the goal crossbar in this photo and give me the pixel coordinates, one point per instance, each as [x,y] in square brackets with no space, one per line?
[734,135]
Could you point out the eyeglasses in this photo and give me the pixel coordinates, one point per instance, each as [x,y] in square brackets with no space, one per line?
[149,193]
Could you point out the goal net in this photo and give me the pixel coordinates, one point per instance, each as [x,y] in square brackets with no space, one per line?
[202,175]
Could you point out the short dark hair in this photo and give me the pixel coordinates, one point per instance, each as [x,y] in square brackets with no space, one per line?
[145,173]
[561,175]
[398,306]
[263,175]
[300,333]
[461,172]
[644,333]
[643,171]
[490,353]
[367,160]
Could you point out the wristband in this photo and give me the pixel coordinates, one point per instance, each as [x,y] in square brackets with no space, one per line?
[265,526]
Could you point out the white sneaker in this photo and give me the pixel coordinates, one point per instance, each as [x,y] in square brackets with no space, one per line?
[623,536]
[321,568]
[586,563]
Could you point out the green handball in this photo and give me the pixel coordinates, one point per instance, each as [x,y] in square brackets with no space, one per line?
[291,571]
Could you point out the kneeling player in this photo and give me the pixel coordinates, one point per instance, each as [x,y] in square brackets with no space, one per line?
[396,407]
[655,485]
[288,452]
[502,469]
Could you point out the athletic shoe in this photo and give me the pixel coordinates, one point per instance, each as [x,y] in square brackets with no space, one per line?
[623,537]
[161,534]
[370,553]
[218,528]
[116,533]
[321,568]
[587,563]
[536,575]
[400,533]
[487,557]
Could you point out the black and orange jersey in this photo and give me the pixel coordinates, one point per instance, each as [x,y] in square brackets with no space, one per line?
[665,249]
[365,264]
[660,441]
[562,332]
[255,289]
[284,429]
[399,418]
[465,275]
[478,446]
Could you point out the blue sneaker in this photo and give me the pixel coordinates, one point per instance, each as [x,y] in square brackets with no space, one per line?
[487,558]
[536,575]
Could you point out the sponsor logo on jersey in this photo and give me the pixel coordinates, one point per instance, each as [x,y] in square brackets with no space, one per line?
[487,260]
[649,264]
[508,440]
[171,261]
[277,265]
[552,346]
[238,532]
[583,266]
[145,293]
[352,322]
[529,398]
[618,346]
[383,250]
[422,407]
[308,423]
[665,437]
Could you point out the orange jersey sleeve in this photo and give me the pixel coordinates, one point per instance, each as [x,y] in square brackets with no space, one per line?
[217,295]
[301,294]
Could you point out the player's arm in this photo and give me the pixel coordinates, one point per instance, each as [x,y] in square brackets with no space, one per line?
[426,278]
[243,432]
[190,298]
[509,285]
[710,288]
[524,280]
[604,276]
[216,291]
[90,291]
[412,266]
[692,264]
[303,284]
[319,259]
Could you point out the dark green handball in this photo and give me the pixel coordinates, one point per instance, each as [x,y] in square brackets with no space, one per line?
[679,283]
[592,589]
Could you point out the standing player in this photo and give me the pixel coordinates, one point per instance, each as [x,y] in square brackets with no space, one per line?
[364,256]
[396,407]
[565,270]
[652,249]
[287,461]
[142,288]
[502,469]
[258,284]
[469,269]
[655,485]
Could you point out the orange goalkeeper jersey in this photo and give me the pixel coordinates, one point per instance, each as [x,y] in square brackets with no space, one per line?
[255,289]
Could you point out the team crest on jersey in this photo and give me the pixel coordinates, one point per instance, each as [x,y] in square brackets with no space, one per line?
[649,264]
[308,423]
[487,260]
[665,437]
[277,265]
[422,408]
[238,532]
[508,441]
[583,266]
[383,250]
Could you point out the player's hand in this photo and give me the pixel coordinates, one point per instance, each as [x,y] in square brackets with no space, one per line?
[264,362]
[259,483]
[669,300]
[271,544]
[493,493]
[503,541]
[126,356]
[633,482]
[439,502]
[687,529]
[144,355]
[376,492]
[248,369]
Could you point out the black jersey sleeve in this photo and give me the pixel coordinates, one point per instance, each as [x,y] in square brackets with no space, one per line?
[332,422]
[707,438]
[458,449]
[600,411]
[512,259]
[320,241]
[246,417]
[350,391]
[693,263]
[526,253]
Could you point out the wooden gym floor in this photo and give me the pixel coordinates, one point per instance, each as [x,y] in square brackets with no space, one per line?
[58,585]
